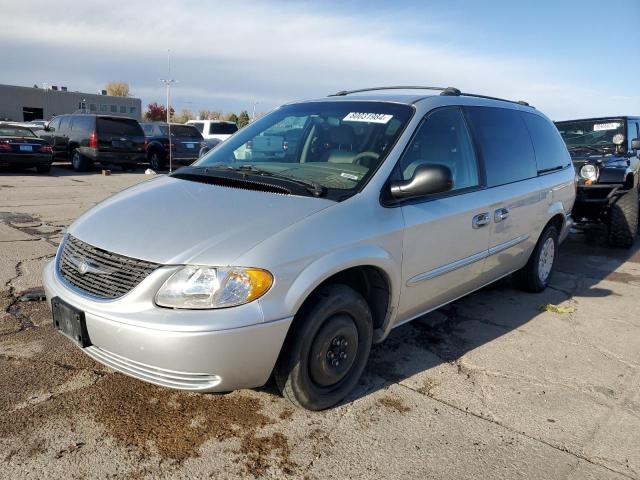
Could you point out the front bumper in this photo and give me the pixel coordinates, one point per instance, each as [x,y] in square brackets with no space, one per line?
[189,350]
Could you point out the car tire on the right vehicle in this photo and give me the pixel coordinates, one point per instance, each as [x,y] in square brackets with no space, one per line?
[326,349]
[623,219]
[534,276]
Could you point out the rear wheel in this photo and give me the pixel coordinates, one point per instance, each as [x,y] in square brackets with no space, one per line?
[43,168]
[157,160]
[326,349]
[535,275]
[79,162]
[623,219]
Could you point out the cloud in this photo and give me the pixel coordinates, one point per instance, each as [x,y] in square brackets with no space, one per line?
[225,54]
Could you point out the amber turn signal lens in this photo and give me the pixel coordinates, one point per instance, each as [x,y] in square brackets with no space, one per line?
[261,281]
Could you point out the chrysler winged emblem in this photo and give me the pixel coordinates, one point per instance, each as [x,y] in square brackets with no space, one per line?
[83,266]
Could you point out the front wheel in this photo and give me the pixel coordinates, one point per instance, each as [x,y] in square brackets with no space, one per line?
[623,219]
[326,349]
[535,275]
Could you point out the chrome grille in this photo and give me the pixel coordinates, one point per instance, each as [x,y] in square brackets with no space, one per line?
[98,272]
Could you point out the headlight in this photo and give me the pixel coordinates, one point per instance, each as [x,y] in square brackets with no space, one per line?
[207,287]
[589,172]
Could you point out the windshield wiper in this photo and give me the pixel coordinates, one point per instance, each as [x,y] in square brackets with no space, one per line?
[314,188]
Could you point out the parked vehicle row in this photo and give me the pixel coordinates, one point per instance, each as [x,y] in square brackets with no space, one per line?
[292,263]
[88,139]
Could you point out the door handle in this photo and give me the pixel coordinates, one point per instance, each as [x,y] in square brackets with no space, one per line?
[500,215]
[481,220]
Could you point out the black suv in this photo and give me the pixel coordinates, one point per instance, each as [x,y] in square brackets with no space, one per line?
[186,142]
[85,139]
[605,155]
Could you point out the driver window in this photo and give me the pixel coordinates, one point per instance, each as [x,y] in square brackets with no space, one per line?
[443,139]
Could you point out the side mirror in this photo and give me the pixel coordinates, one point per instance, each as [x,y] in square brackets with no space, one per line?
[635,144]
[426,180]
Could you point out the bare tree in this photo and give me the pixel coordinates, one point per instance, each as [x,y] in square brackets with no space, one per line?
[209,115]
[117,89]
[184,115]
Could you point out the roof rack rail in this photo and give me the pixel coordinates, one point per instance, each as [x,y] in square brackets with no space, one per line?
[342,93]
[475,95]
[446,91]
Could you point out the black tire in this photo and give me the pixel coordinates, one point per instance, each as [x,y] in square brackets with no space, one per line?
[43,168]
[533,277]
[326,349]
[79,162]
[157,160]
[623,219]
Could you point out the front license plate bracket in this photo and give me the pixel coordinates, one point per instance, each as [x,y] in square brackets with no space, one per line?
[70,322]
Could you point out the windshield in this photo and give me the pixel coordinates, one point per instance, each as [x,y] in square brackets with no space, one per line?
[337,145]
[595,134]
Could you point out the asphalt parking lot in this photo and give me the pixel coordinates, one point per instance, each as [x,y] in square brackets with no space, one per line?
[494,386]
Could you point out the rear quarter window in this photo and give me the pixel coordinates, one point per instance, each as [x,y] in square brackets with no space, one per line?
[119,126]
[550,150]
[504,144]
[82,124]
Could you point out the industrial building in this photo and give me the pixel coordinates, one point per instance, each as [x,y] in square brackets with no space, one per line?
[33,103]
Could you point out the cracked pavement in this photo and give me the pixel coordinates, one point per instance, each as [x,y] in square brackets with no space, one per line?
[492,386]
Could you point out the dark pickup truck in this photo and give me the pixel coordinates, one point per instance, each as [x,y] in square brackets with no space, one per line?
[605,155]
[185,145]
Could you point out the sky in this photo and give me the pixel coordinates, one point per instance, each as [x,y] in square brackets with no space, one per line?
[569,58]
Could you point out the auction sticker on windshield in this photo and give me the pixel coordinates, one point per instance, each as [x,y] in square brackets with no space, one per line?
[598,127]
[367,117]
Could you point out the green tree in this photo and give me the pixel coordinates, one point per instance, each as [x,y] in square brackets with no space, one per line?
[243,119]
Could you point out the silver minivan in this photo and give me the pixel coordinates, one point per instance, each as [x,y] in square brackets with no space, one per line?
[365,212]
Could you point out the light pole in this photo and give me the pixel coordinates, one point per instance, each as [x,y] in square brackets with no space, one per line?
[253,116]
[168,81]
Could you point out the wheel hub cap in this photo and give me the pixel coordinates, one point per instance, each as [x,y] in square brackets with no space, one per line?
[545,262]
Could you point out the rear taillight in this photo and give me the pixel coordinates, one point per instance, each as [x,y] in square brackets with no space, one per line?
[46,149]
[172,146]
[93,140]
[146,143]
[5,147]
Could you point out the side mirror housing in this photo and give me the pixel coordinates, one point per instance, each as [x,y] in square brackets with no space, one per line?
[426,180]
[635,144]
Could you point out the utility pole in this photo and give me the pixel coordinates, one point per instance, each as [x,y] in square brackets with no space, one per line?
[168,81]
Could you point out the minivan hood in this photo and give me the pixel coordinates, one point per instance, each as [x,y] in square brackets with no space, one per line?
[174,221]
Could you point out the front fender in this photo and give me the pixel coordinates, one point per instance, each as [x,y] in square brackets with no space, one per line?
[337,261]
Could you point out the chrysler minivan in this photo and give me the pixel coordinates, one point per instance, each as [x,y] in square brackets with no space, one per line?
[381,208]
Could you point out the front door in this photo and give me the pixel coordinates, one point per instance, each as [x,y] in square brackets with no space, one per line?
[446,237]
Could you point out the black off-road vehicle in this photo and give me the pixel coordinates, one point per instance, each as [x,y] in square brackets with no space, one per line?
[605,155]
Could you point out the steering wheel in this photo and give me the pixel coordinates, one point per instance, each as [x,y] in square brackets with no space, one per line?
[359,159]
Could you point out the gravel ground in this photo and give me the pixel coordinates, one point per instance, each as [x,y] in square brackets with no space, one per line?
[492,386]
